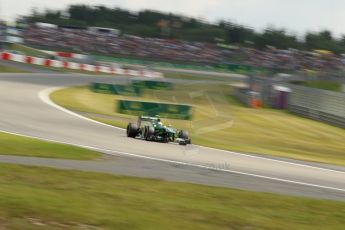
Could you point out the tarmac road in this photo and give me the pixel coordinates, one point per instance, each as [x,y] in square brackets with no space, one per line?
[25,110]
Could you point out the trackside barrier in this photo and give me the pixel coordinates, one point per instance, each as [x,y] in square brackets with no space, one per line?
[77,66]
[247,97]
[128,90]
[152,84]
[134,89]
[322,105]
[173,111]
[65,54]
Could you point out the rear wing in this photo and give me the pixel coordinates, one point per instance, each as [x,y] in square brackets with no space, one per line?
[147,118]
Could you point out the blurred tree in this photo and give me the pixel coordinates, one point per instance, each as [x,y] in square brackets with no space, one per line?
[277,38]
[157,24]
[324,41]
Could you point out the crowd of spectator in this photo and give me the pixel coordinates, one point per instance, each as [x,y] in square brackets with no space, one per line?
[183,51]
[293,59]
[127,45]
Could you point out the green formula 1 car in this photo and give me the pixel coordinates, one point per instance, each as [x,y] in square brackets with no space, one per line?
[152,129]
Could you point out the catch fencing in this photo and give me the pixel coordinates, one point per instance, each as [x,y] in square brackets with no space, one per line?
[318,104]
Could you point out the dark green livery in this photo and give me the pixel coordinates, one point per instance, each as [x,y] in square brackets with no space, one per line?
[152,129]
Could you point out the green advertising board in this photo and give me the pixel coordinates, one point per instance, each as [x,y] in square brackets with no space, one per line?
[149,84]
[128,90]
[134,89]
[173,111]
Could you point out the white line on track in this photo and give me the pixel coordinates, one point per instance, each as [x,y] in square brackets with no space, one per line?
[114,153]
[44,96]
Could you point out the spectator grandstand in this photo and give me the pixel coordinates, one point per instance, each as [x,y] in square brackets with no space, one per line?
[89,41]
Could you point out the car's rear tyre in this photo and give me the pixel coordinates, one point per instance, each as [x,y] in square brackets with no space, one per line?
[132,130]
[166,139]
[149,133]
[183,135]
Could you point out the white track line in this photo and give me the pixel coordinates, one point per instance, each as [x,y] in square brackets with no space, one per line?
[114,153]
[44,96]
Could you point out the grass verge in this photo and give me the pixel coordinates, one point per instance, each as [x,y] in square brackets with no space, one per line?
[9,69]
[23,146]
[326,85]
[220,122]
[43,198]
[28,50]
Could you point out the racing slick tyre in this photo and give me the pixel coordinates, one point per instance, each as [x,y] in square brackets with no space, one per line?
[149,133]
[183,135]
[132,130]
[166,140]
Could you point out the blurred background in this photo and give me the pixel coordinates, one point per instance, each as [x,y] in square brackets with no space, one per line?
[152,35]
[263,80]
[275,59]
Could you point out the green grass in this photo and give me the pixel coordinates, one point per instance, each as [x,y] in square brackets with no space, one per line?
[326,85]
[8,69]
[28,50]
[23,146]
[262,131]
[42,198]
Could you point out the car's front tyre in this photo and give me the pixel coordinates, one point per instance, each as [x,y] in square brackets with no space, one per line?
[132,130]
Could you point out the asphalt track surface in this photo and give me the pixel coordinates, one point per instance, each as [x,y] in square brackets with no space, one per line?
[26,109]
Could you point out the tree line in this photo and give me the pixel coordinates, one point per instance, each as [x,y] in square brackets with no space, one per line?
[149,23]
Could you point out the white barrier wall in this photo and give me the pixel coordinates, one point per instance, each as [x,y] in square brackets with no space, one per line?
[76,66]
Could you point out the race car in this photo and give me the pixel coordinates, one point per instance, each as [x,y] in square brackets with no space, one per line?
[152,129]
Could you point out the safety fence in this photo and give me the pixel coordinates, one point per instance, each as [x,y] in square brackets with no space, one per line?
[318,104]
[322,105]
[249,98]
